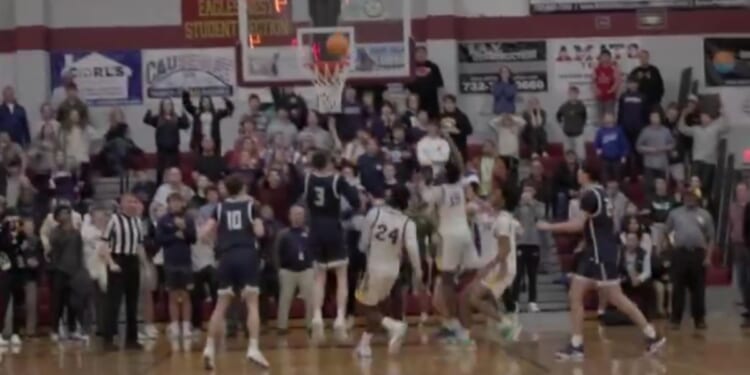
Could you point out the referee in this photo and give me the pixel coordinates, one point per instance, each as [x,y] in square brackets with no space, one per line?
[125,238]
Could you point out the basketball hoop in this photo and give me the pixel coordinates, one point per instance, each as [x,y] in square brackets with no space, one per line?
[329,78]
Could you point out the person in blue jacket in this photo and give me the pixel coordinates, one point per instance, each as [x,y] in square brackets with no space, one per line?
[504,93]
[612,147]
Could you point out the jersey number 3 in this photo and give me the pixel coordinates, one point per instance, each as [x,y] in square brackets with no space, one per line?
[234,220]
[381,232]
[320,196]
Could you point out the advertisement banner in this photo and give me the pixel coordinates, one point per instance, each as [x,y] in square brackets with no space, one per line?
[479,63]
[573,61]
[727,61]
[210,72]
[281,64]
[103,78]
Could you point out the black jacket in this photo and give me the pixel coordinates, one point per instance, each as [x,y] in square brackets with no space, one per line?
[217,116]
[167,132]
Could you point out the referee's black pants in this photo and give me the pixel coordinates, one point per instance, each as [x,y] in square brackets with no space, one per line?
[688,273]
[125,283]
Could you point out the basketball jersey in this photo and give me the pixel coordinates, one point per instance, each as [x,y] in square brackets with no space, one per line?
[600,240]
[451,209]
[234,231]
[322,196]
[390,233]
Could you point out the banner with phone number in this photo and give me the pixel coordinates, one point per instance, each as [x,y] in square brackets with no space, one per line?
[480,63]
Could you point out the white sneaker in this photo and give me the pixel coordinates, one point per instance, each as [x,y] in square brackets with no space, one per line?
[2,341]
[15,340]
[318,331]
[339,328]
[209,362]
[396,337]
[533,307]
[254,355]
[151,331]
[187,330]
[78,336]
[173,330]
[363,351]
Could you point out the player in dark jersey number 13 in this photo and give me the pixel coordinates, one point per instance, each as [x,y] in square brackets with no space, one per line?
[322,195]
[598,268]
[236,230]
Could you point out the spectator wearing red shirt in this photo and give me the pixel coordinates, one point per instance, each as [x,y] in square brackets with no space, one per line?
[606,83]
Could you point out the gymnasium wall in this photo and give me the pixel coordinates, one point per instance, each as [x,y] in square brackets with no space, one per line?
[33,31]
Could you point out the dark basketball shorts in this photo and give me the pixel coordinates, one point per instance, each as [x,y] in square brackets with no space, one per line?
[178,278]
[602,272]
[238,271]
[327,245]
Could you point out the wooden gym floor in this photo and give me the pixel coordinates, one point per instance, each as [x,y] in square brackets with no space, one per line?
[723,349]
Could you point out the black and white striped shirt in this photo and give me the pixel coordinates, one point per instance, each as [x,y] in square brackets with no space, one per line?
[124,234]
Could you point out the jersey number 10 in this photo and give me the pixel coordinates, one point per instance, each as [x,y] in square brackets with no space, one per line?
[234,220]
[381,232]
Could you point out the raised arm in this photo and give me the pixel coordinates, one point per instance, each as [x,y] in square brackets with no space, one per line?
[150,119]
[187,103]
[227,111]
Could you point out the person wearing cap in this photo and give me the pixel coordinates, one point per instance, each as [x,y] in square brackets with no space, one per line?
[690,229]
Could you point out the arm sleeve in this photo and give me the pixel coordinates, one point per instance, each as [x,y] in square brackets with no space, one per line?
[412,247]
[590,202]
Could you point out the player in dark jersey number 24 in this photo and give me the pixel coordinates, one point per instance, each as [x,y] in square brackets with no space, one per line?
[236,230]
[598,267]
[323,191]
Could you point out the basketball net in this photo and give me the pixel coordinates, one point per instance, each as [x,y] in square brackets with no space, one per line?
[329,78]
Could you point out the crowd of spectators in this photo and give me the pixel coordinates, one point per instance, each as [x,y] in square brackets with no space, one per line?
[46,182]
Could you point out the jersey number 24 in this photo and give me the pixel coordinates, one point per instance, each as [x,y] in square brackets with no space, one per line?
[383,233]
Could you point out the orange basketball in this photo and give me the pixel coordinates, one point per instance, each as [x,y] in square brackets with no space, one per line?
[337,44]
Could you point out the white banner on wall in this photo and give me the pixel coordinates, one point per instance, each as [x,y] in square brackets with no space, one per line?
[572,62]
[210,72]
[736,104]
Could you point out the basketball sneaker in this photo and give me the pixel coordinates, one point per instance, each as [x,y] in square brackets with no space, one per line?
[339,329]
[570,353]
[254,355]
[187,330]
[396,336]
[653,345]
[15,340]
[3,342]
[318,331]
[209,361]
[363,351]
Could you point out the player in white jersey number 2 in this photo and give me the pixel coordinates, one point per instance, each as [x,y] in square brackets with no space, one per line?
[386,233]
[498,229]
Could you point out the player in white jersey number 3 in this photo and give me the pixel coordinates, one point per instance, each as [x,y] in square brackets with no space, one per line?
[386,233]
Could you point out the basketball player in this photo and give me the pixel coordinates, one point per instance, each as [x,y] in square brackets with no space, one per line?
[322,194]
[237,228]
[497,229]
[456,253]
[598,267]
[386,232]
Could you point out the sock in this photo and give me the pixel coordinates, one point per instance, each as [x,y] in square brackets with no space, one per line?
[576,340]
[649,331]
[365,341]
[318,316]
[388,323]
[253,343]
[341,314]
[210,344]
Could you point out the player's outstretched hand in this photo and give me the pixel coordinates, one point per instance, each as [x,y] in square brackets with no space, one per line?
[543,225]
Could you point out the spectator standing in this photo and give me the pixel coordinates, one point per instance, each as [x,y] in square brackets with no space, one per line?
[635,268]
[292,258]
[528,212]
[433,150]
[13,119]
[275,191]
[612,147]
[655,143]
[507,132]
[254,112]
[540,182]
[125,234]
[691,229]
[678,153]
[659,205]
[455,123]
[650,82]
[32,257]
[352,117]
[706,138]
[565,184]
[72,102]
[370,168]
[400,153]
[204,262]
[167,127]
[172,184]
[47,117]
[93,231]
[572,117]
[606,83]
[206,119]
[632,115]
[620,203]
[12,278]
[321,138]
[534,134]
[59,93]
[504,92]
[428,82]
[175,234]
[281,128]
[409,116]
[209,163]
[118,147]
